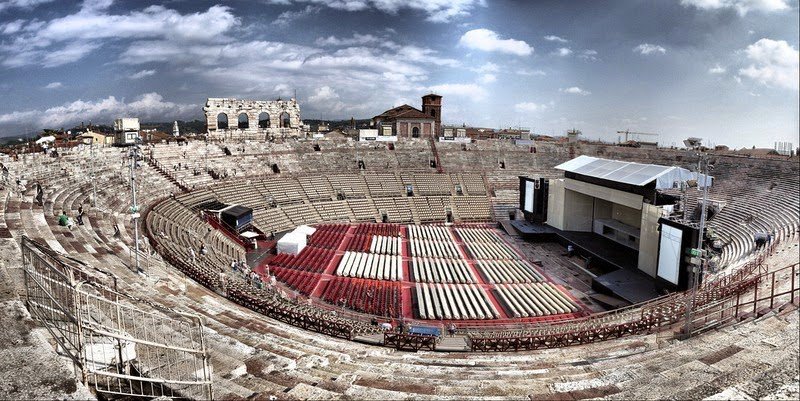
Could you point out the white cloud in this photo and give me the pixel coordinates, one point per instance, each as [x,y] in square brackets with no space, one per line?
[554,38]
[287,17]
[563,51]
[575,91]
[70,38]
[357,39]
[436,10]
[67,54]
[589,54]
[489,41]
[282,90]
[487,78]
[12,27]
[529,107]
[323,94]
[489,67]
[741,6]
[142,74]
[647,48]
[774,63]
[472,91]
[22,4]
[147,106]
[54,85]
[528,72]
[717,69]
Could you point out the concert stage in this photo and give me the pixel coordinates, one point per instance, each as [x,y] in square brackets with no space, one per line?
[622,277]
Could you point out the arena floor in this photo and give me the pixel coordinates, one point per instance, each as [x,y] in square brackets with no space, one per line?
[327,270]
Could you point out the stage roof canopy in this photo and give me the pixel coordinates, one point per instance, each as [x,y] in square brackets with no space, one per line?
[631,173]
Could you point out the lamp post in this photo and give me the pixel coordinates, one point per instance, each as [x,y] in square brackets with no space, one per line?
[94,171]
[697,269]
[133,154]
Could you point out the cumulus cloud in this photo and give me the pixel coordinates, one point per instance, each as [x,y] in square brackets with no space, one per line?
[436,10]
[70,38]
[774,63]
[563,51]
[589,54]
[21,4]
[489,67]
[356,39]
[647,48]
[554,38]
[287,17]
[741,6]
[471,91]
[529,107]
[574,90]
[489,41]
[141,74]
[323,94]
[147,106]
[487,78]
[530,73]
[717,69]
[53,85]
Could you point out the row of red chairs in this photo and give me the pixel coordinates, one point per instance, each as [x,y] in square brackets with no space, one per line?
[303,282]
[327,239]
[310,259]
[337,228]
[360,243]
[389,230]
[375,297]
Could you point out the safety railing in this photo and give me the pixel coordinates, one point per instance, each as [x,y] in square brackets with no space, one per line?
[119,345]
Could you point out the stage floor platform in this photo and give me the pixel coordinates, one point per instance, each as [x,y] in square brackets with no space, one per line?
[630,285]
[616,265]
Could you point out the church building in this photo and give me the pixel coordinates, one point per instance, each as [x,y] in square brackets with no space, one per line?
[409,122]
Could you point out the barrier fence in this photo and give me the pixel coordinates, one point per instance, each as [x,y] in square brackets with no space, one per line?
[748,293]
[115,347]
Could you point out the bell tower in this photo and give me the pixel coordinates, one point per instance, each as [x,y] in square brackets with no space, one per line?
[432,106]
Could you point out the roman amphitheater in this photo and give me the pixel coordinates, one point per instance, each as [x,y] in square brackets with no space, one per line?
[79,320]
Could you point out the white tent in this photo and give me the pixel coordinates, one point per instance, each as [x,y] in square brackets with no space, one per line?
[44,139]
[307,230]
[292,243]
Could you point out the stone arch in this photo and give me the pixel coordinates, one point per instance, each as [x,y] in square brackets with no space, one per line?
[222,121]
[242,121]
[285,120]
[263,120]
[415,132]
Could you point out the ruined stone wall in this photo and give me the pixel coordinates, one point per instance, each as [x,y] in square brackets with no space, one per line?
[274,109]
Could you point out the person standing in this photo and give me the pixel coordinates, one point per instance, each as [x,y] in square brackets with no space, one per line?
[79,217]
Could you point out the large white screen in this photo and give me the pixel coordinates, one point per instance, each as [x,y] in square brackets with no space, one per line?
[669,254]
[529,196]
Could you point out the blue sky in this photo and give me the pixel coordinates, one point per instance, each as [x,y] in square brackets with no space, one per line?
[723,70]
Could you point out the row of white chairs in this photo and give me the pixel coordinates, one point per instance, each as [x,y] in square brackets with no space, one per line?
[478,235]
[368,265]
[385,245]
[491,250]
[438,249]
[508,271]
[438,270]
[534,299]
[456,301]
[435,233]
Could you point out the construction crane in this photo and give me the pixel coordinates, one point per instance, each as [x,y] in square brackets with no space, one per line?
[636,135]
